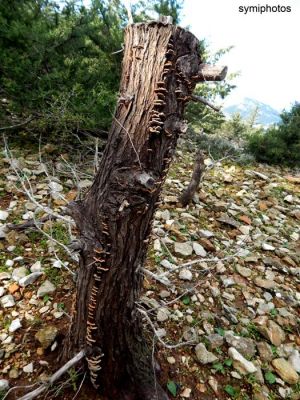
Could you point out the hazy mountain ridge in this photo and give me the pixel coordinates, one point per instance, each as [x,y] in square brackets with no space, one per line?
[266,115]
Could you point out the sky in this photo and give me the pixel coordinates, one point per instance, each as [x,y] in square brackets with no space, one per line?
[266,46]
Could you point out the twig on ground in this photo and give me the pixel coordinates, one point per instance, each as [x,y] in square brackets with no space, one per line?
[32,395]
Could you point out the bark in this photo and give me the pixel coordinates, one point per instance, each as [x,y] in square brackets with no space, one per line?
[198,170]
[114,220]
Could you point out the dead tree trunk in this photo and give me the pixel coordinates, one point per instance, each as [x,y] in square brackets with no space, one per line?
[161,66]
[188,193]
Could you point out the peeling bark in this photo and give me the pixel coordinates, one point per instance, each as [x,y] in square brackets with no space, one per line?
[115,218]
[188,193]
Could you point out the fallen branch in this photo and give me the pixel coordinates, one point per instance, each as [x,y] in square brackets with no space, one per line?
[31,223]
[54,377]
[202,100]
[4,128]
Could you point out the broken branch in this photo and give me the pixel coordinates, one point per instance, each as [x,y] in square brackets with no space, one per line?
[202,100]
[32,395]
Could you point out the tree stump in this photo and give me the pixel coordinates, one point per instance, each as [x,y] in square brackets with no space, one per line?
[161,67]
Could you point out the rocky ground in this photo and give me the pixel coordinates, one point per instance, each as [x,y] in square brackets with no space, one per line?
[222,291]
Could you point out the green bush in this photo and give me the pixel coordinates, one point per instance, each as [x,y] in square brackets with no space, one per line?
[279,144]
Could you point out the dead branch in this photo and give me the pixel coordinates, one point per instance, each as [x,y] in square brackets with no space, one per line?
[35,393]
[4,128]
[31,223]
[202,100]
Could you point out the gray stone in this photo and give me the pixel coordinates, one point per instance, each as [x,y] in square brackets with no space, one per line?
[162,314]
[203,355]
[55,187]
[84,184]
[36,267]
[166,264]
[205,233]
[3,231]
[19,273]
[183,249]
[294,360]
[4,385]
[29,279]
[264,308]
[28,368]
[265,351]
[199,250]
[161,332]
[245,272]
[46,288]
[165,215]
[15,325]
[46,336]
[240,363]
[215,340]
[3,215]
[272,332]
[267,296]
[7,301]
[267,247]
[245,346]
[264,283]
[163,294]
[227,281]
[185,275]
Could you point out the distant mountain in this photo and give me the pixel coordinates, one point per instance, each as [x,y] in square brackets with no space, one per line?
[266,114]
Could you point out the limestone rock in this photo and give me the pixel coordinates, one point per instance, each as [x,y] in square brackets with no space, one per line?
[199,250]
[29,279]
[7,301]
[240,363]
[203,355]
[245,346]
[272,332]
[46,288]
[46,336]
[183,249]
[185,275]
[285,370]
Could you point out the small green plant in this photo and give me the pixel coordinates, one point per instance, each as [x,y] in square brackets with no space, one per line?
[219,367]
[61,306]
[54,275]
[73,378]
[274,350]
[253,331]
[228,362]
[273,312]
[220,331]
[46,298]
[172,388]
[251,379]
[233,392]
[270,377]
[186,300]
